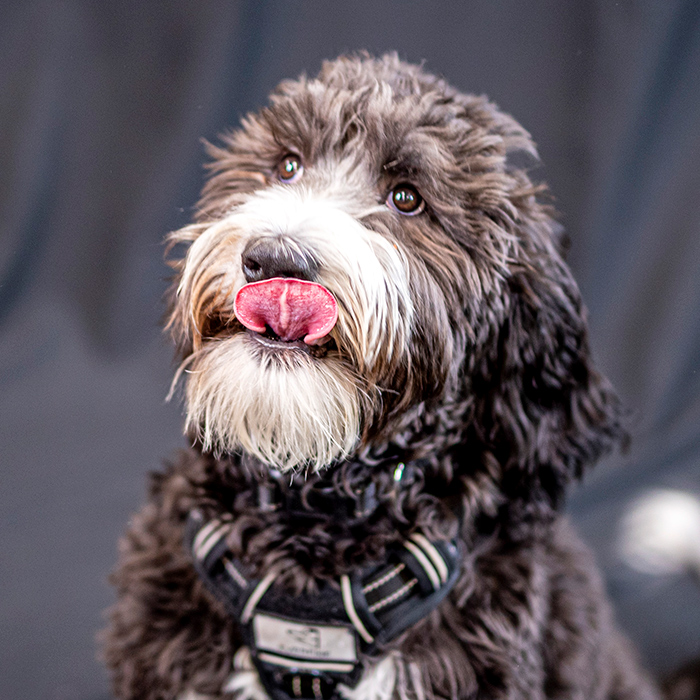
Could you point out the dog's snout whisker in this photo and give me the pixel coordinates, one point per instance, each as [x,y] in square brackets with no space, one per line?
[267,258]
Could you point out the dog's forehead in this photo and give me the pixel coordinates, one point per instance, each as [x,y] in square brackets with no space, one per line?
[397,128]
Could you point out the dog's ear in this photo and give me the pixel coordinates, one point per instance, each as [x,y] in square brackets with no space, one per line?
[542,408]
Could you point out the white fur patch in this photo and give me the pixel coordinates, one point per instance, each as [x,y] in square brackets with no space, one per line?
[244,682]
[285,407]
[377,682]
[389,678]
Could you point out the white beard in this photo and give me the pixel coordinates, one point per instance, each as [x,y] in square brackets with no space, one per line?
[287,409]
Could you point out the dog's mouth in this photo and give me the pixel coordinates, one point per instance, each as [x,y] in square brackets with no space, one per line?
[270,340]
[279,314]
[287,310]
[220,327]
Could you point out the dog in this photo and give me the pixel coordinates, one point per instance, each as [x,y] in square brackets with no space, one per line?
[388,387]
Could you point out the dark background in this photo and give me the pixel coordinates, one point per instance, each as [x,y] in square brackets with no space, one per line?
[102,107]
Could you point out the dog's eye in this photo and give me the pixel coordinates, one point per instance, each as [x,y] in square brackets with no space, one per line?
[405,199]
[290,168]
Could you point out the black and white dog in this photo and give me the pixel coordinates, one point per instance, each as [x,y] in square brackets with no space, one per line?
[388,387]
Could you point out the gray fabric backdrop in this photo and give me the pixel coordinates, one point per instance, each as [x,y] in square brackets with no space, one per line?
[102,107]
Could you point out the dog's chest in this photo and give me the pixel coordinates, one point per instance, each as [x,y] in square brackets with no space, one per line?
[312,644]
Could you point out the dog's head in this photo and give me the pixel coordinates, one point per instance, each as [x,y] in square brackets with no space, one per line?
[459,328]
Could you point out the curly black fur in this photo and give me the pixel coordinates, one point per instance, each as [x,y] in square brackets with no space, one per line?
[496,395]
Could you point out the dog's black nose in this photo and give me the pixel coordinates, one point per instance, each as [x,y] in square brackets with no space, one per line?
[272,257]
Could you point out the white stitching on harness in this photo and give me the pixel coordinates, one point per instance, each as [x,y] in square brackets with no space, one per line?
[387,577]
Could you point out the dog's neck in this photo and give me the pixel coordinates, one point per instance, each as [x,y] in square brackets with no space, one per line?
[321,525]
[349,491]
[322,496]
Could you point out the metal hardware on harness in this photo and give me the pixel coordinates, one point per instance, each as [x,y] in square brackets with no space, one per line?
[304,646]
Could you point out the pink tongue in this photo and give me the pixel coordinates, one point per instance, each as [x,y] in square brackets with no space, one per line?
[292,308]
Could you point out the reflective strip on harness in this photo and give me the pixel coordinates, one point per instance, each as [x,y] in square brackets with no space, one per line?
[424,562]
[305,664]
[435,557]
[254,598]
[346,589]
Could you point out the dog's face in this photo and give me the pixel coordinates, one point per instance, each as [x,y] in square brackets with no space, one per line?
[393,192]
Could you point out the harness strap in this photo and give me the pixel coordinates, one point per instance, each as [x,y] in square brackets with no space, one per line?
[304,646]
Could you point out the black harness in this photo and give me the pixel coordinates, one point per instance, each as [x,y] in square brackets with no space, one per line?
[303,646]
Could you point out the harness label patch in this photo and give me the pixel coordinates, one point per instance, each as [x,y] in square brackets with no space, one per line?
[304,641]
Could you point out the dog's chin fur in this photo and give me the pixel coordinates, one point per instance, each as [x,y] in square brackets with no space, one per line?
[285,407]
